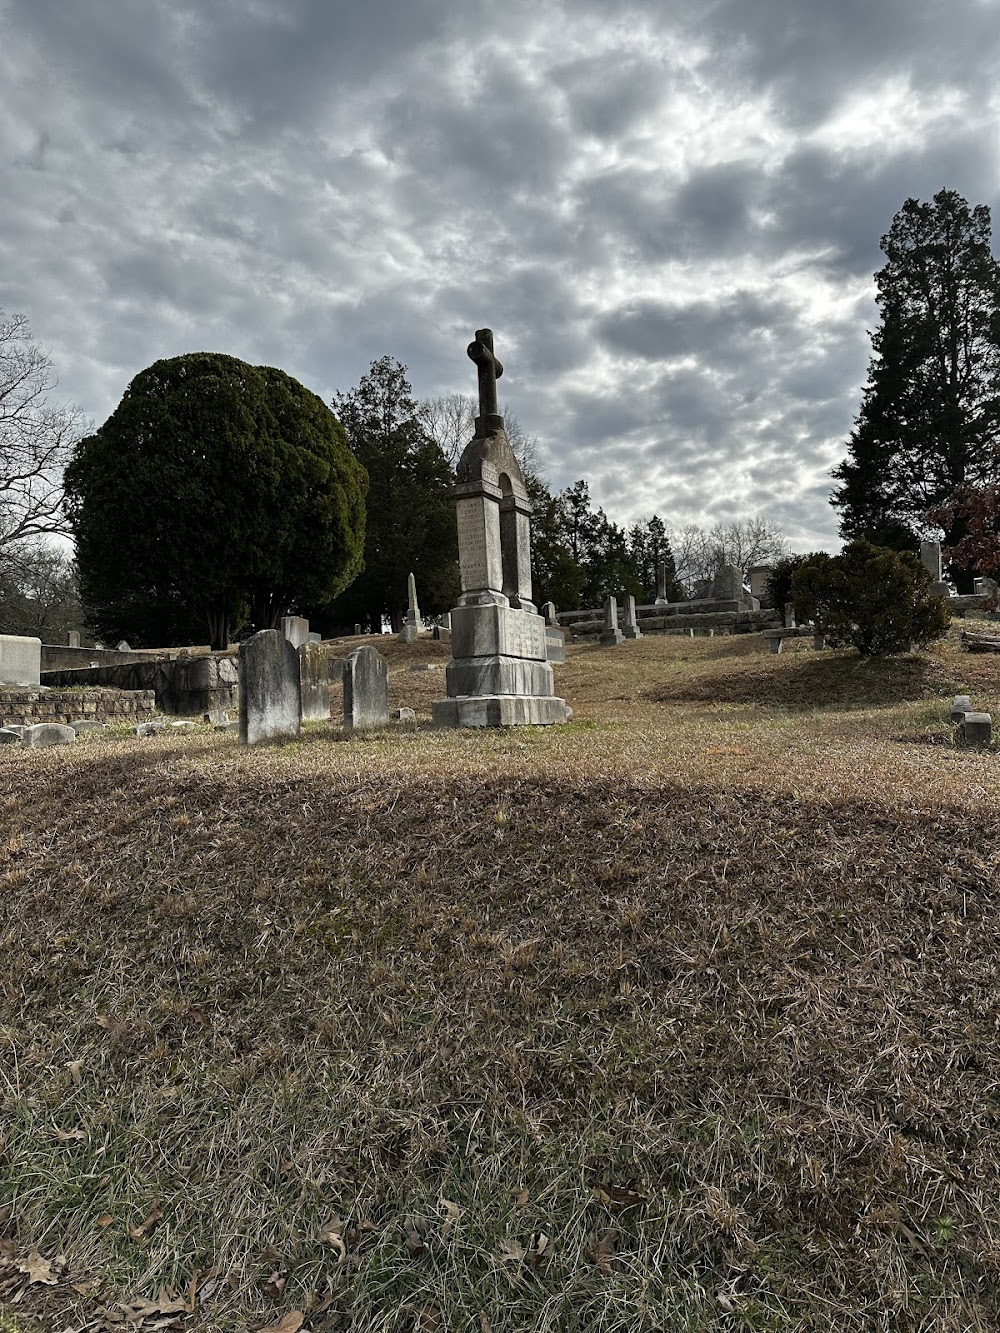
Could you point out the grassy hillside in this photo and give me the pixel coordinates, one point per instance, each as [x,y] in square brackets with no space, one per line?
[685,1016]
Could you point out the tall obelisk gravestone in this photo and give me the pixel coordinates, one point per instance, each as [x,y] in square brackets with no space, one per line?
[498,675]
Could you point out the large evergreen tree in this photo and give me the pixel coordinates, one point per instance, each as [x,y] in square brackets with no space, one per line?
[215,492]
[930,416]
[411,510]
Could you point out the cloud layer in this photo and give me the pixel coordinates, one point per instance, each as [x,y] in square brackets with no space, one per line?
[670,216]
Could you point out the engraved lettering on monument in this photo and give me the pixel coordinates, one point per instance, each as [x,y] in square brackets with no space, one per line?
[473,545]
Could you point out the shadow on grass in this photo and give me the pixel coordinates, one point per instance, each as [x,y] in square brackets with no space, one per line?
[838,681]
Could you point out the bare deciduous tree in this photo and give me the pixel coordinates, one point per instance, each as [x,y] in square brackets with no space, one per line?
[451,423]
[36,437]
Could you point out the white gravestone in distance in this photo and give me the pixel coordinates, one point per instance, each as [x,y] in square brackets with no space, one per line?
[411,626]
[611,633]
[20,660]
[498,675]
[630,623]
[270,692]
[295,629]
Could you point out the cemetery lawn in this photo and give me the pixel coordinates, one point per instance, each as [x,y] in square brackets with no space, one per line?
[684,1016]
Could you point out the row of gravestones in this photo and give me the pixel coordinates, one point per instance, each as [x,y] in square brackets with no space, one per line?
[280,685]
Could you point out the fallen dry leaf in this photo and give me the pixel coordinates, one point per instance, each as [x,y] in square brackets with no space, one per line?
[429,1319]
[604,1253]
[615,1196]
[42,1270]
[289,1323]
[70,1135]
[453,1214]
[537,1250]
[521,1198]
[333,1233]
[104,1220]
[75,1068]
[415,1244]
[139,1232]
[275,1284]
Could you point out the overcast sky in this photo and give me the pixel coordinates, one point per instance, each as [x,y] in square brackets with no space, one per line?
[669,213]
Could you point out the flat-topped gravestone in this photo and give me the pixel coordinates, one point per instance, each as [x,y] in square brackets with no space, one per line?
[314,681]
[270,692]
[315,636]
[760,576]
[20,660]
[366,690]
[630,624]
[727,586]
[555,644]
[499,674]
[295,629]
[976,729]
[549,614]
[960,705]
[74,638]
[789,615]
[611,633]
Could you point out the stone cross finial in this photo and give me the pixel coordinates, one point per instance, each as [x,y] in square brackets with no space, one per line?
[490,370]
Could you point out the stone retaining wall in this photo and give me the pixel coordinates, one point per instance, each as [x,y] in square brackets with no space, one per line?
[26,707]
[186,687]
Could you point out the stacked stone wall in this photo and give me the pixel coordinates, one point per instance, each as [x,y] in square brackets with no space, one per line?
[26,707]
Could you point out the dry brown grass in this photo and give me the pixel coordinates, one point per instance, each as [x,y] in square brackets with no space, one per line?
[684,1016]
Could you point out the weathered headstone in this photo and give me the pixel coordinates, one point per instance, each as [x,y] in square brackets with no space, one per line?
[630,624]
[727,586]
[74,638]
[498,675]
[366,690]
[314,679]
[759,576]
[789,615]
[549,614]
[611,633]
[976,729]
[123,646]
[295,629]
[270,692]
[774,640]
[403,715]
[357,631]
[47,733]
[10,736]
[930,557]
[555,644]
[315,636]
[960,705]
[20,660]
[412,625]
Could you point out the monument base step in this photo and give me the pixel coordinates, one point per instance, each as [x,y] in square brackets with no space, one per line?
[500,710]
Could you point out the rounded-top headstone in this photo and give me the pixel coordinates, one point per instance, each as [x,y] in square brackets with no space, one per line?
[270,693]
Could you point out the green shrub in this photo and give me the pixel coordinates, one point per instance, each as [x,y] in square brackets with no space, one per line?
[874,598]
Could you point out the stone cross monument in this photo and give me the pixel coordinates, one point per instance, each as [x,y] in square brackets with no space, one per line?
[498,675]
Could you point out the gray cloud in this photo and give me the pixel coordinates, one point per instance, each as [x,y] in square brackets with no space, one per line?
[670,217]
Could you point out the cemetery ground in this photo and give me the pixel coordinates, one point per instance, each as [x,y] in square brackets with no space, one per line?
[683,1016]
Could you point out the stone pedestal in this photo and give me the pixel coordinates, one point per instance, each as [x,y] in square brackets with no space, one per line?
[498,675]
[611,633]
[630,624]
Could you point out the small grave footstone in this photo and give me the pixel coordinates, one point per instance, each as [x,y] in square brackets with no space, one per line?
[123,646]
[366,690]
[976,729]
[611,633]
[403,715]
[555,644]
[270,692]
[960,705]
[357,631]
[183,725]
[47,733]
[774,642]
[216,717]
[148,728]
[88,724]
[819,642]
